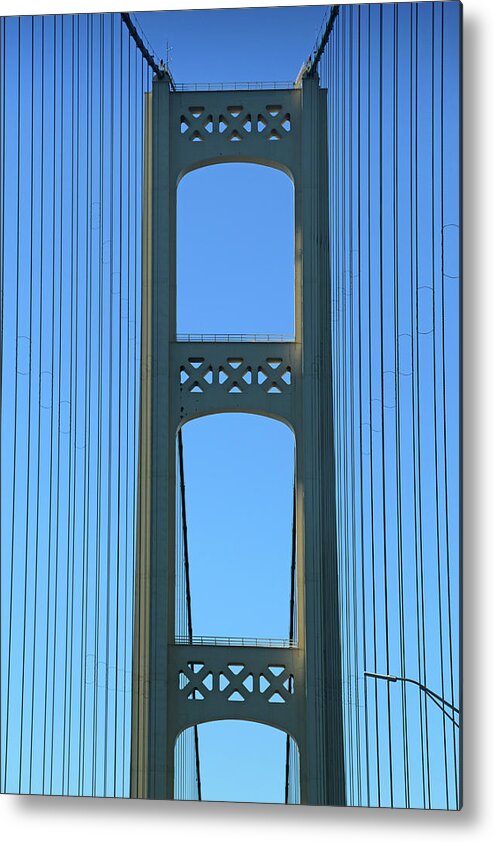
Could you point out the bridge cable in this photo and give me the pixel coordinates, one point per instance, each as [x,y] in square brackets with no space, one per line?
[318,52]
[291,633]
[161,71]
[444,402]
[187,593]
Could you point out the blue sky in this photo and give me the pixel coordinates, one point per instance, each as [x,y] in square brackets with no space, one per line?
[234,45]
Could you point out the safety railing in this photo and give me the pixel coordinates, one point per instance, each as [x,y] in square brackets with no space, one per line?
[234,337]
[234,86]
[271,642]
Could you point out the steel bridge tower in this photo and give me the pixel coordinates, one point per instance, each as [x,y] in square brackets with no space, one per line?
[289,381]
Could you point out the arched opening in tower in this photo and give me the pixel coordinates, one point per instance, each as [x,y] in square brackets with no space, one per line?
[238,761]
[235,251]
[237,558]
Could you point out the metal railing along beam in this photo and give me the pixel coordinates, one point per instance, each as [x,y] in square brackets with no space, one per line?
[269,642]
[234,86]
[234,337]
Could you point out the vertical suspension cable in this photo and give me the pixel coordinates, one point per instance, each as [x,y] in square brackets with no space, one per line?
[360,392]
[72,392]
[40,374]
[127,415]
[381,359]
[14,472]
[342,438]
[338,308]
[52,394]
[353,496]
[413,274]
[291,630]
[444,406]
[61,302]
[109,478]
[398,373]
[418,409]
[87,401]
[434,401]
[139,468]
[119,402]
[188,595]
[370,404]
[29,412]
[101,220]
[410,333]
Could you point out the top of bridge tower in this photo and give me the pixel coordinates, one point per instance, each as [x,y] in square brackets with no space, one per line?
[235,86]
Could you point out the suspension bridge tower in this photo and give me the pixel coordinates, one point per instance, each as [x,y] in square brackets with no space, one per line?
[179,684]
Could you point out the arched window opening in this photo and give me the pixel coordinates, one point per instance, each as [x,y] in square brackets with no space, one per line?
[235,252]
[238,761]
[238,564]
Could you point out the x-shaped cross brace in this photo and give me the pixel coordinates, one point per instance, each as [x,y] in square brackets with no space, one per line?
[276,684]
[196,376]
[195,680]
[234,376]
[274,377]
[236,681]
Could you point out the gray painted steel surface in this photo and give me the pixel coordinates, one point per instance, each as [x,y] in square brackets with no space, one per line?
[289,381]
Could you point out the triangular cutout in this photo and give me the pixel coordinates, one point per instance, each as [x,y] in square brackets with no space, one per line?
[223,681]
[286,123]
[261,377]
[247,124]
[223,125]
[247,376]
[196,388]
[263,683]
[274,135]
[196,110]
[222,376]
[208,377]
[208,124]
[276,697]
[274,389]
[235,363]
[195,666]
[273,363]
[273,110]
[208,681]
[196,137]
[196,362]
[288,684]
[183,376]
[236,697]
[196,695]
[235,137]
[235,668]
[234,110]
[183,680]
[234,389]
[276,670]
[261,123]
[249,683]
[287,376]
[184,126]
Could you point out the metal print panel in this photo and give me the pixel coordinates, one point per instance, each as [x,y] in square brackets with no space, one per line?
[230,420]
